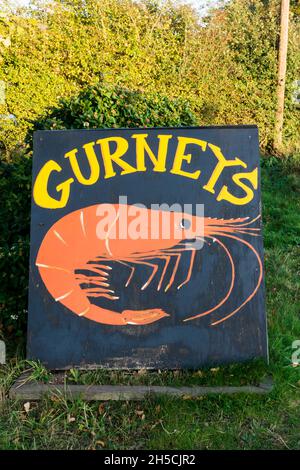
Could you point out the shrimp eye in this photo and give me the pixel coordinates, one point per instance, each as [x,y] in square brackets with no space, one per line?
[185,223]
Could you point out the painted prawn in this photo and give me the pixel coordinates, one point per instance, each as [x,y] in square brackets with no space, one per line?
[72,260]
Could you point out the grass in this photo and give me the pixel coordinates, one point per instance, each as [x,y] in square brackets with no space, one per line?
[214,422]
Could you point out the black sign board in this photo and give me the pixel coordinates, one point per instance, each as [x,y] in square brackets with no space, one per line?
[146,248]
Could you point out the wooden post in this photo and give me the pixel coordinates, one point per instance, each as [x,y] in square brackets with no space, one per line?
[283,46]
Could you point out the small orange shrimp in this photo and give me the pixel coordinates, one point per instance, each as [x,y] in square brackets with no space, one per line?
[72,242]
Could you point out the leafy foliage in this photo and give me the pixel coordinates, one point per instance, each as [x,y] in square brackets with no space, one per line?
[227,68]
[15,182]
[102,105]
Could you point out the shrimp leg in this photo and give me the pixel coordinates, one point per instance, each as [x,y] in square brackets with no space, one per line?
[178,256]
[193,254]
[152,265]
[177,253]
[174,272]
[132,268]
[167,261]
[154,271]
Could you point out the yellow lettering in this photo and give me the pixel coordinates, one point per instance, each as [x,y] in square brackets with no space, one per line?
[239,201]
[142,147]
[116,156]
[40,188]
[180,156]
[93,164]
[222,163]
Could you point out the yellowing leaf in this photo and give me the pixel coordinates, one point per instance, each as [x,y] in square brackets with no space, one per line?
[100,443]
[27,406]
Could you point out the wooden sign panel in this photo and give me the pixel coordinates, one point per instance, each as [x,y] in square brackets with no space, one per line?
[146,248]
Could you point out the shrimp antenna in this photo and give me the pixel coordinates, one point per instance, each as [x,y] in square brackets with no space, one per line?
[256,287]
[247,223]
[207,312]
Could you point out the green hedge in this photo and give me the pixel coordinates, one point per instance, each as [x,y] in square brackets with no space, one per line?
[15,183]
[103,105]
[227,69]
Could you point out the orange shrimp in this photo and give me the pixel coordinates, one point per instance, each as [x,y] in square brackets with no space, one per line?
[73,244]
